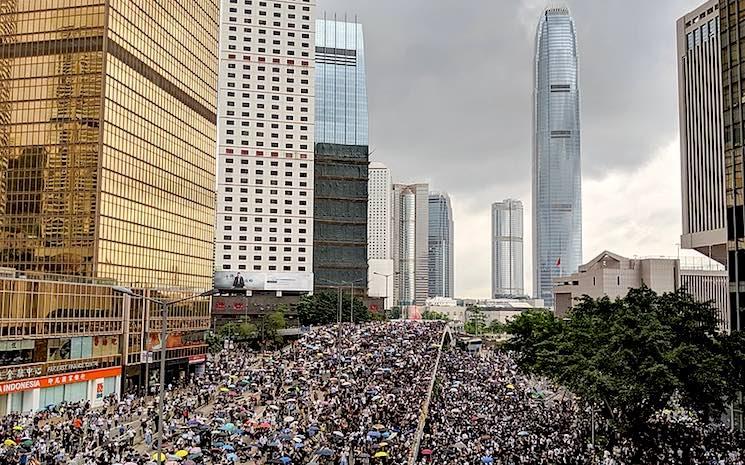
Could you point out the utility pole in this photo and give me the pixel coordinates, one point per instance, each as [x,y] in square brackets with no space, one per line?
[351,305]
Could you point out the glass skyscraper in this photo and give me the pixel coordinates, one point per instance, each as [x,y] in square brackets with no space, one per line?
[557,199]
[441,271]
[507,249]
[107,139]
[341,157]
[341,90]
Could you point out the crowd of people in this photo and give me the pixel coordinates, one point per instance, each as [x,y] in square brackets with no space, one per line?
[485,411]
[335,396]
[350,395]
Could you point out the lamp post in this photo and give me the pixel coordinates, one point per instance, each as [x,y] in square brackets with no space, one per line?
[164,305]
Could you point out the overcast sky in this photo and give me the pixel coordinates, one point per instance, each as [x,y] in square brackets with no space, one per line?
[450,84]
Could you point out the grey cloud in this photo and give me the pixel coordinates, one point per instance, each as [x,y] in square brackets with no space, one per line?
[450,85]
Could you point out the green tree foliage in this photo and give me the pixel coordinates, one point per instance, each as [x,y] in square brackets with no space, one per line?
[496,327]
[630,357]
[394,313]
[273,322]
[476,323]
[229,330]
[435,316]
[323,308]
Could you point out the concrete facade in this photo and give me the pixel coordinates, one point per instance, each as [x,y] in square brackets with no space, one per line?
[612,275]
[701,131]
[266,139]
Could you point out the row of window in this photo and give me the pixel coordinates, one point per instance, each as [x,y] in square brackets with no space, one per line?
[259,182]
[301,240]
[290,6]
[269,268]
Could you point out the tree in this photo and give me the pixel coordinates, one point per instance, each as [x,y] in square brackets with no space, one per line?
[496,327]
[394,313]
[476,321]
[631,357]
[432,315]
[529,331]
[229,330]
[273,322]
[323,308]
[247,330]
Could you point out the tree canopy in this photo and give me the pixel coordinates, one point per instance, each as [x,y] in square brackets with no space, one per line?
[631,357]
[433,315]
[323,308]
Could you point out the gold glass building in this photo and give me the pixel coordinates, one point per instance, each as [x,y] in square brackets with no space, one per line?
[107,156]
[107,139]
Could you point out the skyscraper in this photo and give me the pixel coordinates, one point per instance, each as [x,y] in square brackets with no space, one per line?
[732,20]
[441,261]
[341,157]
[557,200]
[107,139]
[266,143]
[410,245]
[507,249]
[701,133]
[107,163]
[379,225]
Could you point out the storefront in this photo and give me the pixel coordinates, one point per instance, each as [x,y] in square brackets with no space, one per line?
[42,392]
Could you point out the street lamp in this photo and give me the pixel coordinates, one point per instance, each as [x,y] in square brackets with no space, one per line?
[163,335]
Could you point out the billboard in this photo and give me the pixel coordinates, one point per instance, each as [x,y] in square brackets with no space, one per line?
[252,281]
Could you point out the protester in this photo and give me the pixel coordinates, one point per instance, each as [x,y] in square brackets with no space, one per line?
[338,393]
[485,411]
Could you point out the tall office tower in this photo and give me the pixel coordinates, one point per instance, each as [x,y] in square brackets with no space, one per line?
[379,223]
[732,31]
[507,249]
[107,138]
[557,199]
[701,133]
[380,190]
[379,243]
[265,144]
[441,246]
[410,245]
[341,158]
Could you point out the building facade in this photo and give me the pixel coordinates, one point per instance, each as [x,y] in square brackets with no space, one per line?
[557,192]
[730,15]
[379,224]
[266,134]
[379,212]
[341,158]
[441,259]
[410,245]
[701,132]
[507,249]
[107,149]
[107,153]
[612,275]
[709,285]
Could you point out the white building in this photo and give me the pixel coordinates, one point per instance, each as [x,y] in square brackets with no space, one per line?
[612,275]
[379,217]
[507,249]
[266,141]
[502,310]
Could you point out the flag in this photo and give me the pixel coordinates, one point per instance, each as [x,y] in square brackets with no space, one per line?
[558,262]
